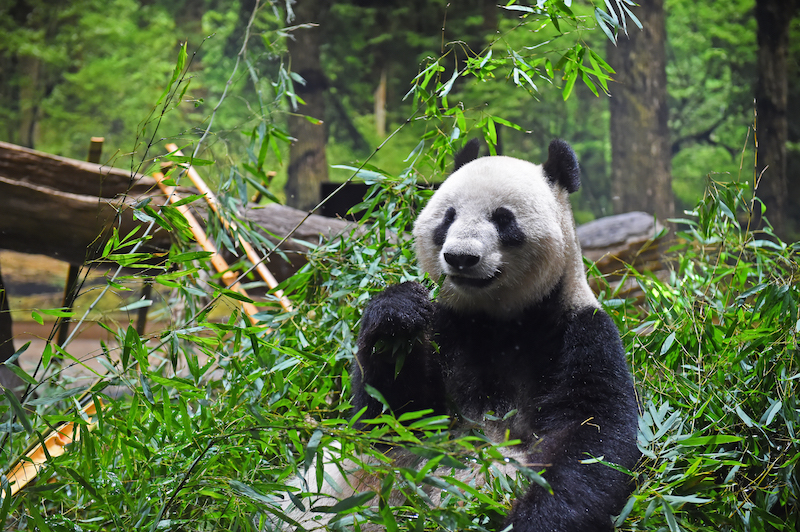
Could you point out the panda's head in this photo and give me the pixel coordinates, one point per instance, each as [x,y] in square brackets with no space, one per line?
[501,232]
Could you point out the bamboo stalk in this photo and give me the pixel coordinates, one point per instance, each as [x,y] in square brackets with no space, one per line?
[27,468]
[213,202]
[219,263]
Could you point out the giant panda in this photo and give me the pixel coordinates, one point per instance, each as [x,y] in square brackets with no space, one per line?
[515,342]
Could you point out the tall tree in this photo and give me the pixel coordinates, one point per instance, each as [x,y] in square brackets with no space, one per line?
[640,145]
[772,126]
[308,165]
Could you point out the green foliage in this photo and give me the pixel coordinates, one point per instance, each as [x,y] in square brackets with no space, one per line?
[218,419]
[711,81]
[80,57]
[714,348]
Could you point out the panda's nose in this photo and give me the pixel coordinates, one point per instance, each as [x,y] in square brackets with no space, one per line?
[461,261]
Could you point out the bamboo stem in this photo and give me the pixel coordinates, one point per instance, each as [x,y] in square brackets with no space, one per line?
[219,263]
[26,469]
[213,202]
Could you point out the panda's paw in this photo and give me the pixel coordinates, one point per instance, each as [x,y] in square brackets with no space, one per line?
[399,311]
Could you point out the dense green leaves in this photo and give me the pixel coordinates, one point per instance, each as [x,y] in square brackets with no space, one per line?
[715,351]
[213,421]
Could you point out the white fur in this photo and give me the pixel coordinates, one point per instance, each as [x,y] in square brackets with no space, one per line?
[525,274]
[344,477]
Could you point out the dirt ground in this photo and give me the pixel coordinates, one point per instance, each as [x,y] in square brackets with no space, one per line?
[37,282]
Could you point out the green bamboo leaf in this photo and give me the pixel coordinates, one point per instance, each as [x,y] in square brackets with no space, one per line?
[668,341]
[771,412]
[188,159]
[354,501]
[58,396]
[250,492]
[19,372]
[148,393]
[378,396]
[311,448]
[83,482]
[174,382]
[236,295]
[670,517]
[18,410]
[570,78]
[142,303]
[709,440]
[38,519]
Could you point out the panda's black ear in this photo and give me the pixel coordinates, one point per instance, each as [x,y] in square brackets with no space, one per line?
[562,166]
[468,153]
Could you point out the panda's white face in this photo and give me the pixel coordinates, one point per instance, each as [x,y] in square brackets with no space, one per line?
[500,232]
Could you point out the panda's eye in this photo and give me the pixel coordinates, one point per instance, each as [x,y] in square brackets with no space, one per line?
[507,227]
[440,233]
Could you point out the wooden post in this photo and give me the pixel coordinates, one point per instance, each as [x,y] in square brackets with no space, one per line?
[8,379]
[71,285]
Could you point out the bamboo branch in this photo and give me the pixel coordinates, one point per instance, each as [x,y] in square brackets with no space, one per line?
[219,263]
[26,469]
[213,202]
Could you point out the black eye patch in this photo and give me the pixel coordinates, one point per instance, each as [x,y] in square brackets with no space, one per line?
[440,233]
[507,227]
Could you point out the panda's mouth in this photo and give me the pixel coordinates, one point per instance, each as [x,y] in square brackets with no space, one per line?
[472,282]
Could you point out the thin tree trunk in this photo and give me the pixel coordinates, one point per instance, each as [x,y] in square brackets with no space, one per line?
[308,166]
[640,147]
[772,127]
[28,99]
[380,105]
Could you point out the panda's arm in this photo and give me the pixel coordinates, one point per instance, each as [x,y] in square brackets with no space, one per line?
[591,413]
[395,355]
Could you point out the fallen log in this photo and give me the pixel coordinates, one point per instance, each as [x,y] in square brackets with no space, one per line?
[34,167]
[65,208]
[276,221]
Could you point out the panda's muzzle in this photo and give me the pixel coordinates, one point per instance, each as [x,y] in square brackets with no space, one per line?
[461,261]
[474,282]
[461,265]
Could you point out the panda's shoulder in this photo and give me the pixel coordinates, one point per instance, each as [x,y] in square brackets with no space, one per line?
[592,333]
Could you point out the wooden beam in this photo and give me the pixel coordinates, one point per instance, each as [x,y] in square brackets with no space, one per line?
[64,208]
[63,225]
[69,175]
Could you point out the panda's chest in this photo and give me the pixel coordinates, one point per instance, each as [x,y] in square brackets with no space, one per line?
[493,367]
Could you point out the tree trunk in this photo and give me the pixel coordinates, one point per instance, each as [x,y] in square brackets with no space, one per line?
[640,147]
[308,166]
[380,105]
[8,379]
[772,127]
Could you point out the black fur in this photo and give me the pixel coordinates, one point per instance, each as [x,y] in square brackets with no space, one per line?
[565,373]
[562,166]
[440,233]
[507,227]
[467,154]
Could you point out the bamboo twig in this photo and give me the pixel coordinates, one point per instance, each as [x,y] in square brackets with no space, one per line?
[213,202]
[26,469]
[219,263]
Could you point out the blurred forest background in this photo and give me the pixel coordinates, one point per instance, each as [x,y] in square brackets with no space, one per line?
[72,70]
